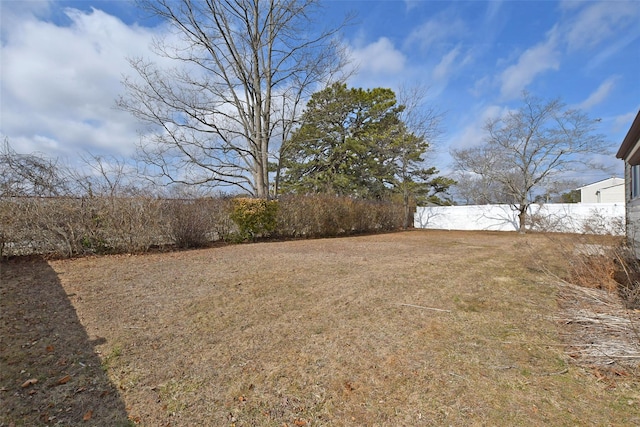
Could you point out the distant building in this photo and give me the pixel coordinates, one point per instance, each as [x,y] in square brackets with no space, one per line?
[610,190]
[630,152]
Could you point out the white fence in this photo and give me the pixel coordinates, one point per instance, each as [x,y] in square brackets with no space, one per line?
[595,218]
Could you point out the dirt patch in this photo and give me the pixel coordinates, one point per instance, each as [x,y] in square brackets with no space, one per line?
[414,328]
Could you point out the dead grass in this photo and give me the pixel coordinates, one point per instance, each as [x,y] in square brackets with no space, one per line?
[602,334]
[324,332]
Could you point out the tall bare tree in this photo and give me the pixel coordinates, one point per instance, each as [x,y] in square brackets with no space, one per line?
[215,113]
[528,149]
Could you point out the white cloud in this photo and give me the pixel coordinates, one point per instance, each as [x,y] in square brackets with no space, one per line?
[436,31]
[605,52]
[13,13]
[493,10]
[535,60]
[444,67]
[598,21]
[59,83]
[411,4]
[599,95]
[568,5]
[379,57]
[481,86]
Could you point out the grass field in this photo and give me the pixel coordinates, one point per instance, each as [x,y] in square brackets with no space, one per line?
[401,329]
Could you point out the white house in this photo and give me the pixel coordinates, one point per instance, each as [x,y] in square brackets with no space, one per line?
[610,190]
[630,152]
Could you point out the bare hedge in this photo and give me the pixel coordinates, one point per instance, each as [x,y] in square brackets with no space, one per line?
[326,216]
[67,226]
[197,222]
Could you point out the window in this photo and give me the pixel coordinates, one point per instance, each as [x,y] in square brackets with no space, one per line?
[635,181]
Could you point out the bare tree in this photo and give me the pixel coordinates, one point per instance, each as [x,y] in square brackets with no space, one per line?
[31,174]
[421,118]
[213,114]
[528,149]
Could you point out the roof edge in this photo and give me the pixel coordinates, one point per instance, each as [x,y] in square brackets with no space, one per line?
[601,181]
[630,139]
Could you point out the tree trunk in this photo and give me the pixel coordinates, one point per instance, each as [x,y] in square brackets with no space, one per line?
[405,202]
[522,218]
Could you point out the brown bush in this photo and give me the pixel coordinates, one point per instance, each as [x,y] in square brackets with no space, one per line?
[129,225]
[628,276]
[323,215]
[44,225]
[594,271]
[197,222]
[68,226]
[612,268]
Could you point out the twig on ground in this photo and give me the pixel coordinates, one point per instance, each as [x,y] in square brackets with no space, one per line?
[425,308]
[453,374]
[549,374]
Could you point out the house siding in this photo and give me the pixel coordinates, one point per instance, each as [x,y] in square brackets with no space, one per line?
[612,195]
[611,190]
[632,212]
[630,152]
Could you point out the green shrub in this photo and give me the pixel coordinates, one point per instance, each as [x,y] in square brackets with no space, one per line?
[254,217]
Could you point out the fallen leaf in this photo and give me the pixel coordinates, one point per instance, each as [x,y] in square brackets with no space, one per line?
[49,348]
[64,379]
[29,382]
[349,386]
[88,415]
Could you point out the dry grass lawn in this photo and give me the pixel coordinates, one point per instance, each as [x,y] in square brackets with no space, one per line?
[402,329]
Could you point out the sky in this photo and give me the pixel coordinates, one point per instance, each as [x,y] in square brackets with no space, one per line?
[62,63]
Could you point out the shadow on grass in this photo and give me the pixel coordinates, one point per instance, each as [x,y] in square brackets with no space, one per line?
[49,371]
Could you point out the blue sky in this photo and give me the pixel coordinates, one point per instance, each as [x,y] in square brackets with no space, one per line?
[61,63]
